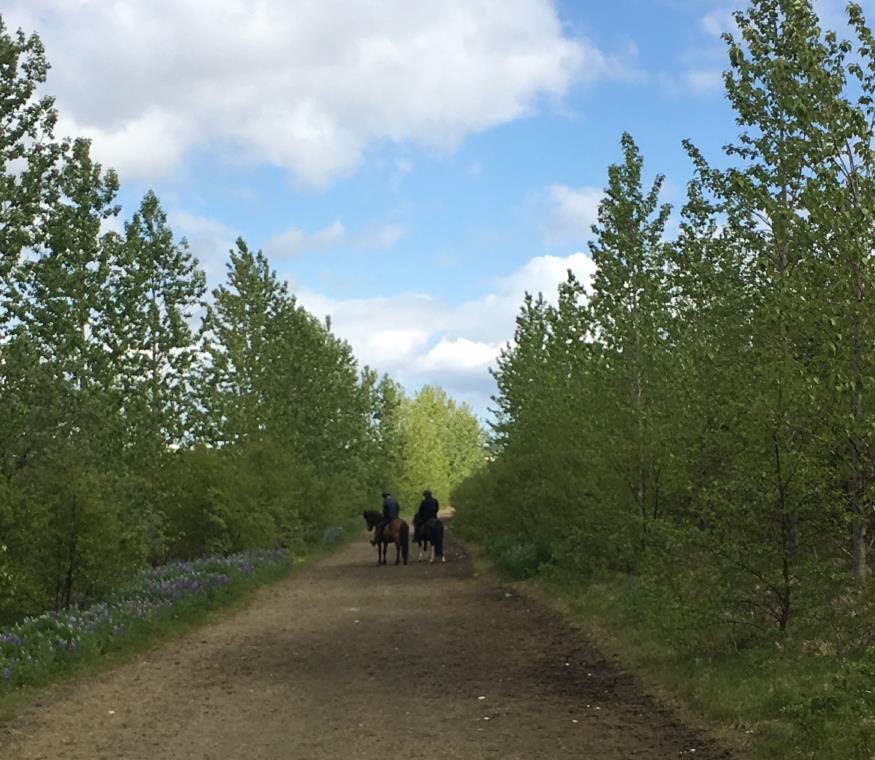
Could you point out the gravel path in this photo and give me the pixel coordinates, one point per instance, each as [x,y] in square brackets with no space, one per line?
[348,660]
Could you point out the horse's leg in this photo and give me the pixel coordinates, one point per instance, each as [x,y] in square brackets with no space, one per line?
[397,553]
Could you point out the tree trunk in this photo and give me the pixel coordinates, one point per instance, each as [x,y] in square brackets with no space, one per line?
[860,479]
[860,564]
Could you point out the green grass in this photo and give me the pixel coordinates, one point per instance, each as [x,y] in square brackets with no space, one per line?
[764,699]
[768,700]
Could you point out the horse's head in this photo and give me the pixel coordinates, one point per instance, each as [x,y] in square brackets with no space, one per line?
[371,518]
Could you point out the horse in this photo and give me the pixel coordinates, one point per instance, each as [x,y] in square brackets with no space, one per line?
[396,531]
[430,536]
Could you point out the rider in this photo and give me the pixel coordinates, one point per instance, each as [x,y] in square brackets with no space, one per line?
[391,511]
[428,509]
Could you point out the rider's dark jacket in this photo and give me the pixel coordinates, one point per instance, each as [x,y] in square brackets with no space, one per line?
[391,509]
[427,509]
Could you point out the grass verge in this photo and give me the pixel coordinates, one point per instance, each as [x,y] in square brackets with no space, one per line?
[771,698]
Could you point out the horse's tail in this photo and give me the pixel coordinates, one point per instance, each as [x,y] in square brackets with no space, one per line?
[438,538]
[405,540]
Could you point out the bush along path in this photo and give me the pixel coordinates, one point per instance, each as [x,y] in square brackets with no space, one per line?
[348,659]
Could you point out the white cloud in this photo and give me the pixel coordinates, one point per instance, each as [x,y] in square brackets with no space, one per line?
[418,339]
[402,168]
[719,21]
[544,273]
[209,240]
[148,145]
[383,237]
[460,354]
[704,81]
[306,86]
[295,240]
[199,226]
[572,212]
[393,345]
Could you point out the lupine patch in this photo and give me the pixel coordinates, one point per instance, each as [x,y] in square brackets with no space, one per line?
[48,642]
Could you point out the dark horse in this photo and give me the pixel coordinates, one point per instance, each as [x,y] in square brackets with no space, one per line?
[396,532]
[430,532]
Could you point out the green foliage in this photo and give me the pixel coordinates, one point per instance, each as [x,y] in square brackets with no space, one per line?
[779,701]
[128,432]
[26,136]
[440,443]
[221,501]
[156,287]
[838,716]
[696,432]
[65,535]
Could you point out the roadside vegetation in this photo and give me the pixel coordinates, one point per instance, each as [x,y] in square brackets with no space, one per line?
[36,649]
[685,449]
[148,426]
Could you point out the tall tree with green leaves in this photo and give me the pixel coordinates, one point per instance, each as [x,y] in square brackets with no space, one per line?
[388,402]
[520,371]
[783,79]
[839,127]
[629,316]
[28,154]
[64,306]
[240,331]
[156,288]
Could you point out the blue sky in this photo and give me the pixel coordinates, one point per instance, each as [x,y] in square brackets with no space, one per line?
[410,168]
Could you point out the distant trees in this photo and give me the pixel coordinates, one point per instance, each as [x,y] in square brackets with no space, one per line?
[441,444]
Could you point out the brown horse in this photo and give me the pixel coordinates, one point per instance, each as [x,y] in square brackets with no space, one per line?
[396,532]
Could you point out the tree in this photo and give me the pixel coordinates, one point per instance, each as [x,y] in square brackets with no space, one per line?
[442,445]
[240,329]
[27,156]
[839,129]
[156,287]
[629,317]
[63,308]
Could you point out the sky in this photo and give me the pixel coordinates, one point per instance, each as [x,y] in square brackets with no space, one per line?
[410,168]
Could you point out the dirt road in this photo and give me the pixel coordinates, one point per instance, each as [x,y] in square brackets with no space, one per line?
[347,660]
